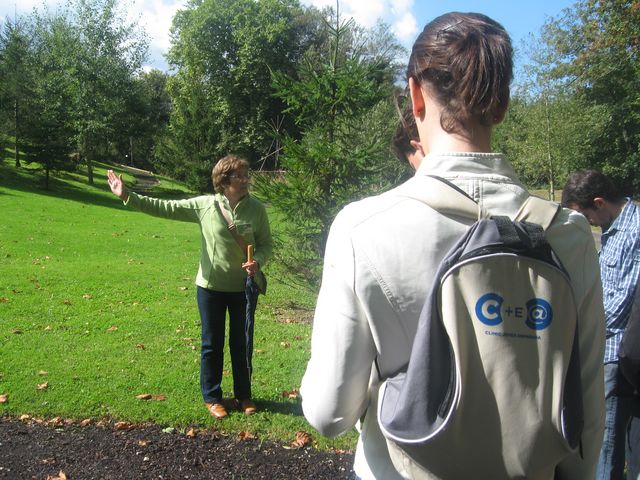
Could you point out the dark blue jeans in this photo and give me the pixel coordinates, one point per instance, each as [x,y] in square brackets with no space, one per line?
[213,308]
[621,428]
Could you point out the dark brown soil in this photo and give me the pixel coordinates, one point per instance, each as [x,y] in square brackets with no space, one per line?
[31,449]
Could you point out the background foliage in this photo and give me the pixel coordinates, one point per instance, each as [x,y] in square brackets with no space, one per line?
[305,95]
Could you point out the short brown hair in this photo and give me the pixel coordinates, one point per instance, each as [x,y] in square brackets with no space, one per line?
[585,185]
[224,168]
[466,61]
[405,132]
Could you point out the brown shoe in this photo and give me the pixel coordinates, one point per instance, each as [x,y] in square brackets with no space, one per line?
[248,407]
[216,410]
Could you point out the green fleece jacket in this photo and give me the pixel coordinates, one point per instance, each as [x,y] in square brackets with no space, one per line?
[221,257]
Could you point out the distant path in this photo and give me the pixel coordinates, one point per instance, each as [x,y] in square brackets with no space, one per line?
[145,180]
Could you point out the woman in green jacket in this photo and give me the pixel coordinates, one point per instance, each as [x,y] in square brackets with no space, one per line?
[223,269]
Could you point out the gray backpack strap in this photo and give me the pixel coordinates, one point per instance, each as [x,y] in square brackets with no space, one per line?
[445,197]
[539,211]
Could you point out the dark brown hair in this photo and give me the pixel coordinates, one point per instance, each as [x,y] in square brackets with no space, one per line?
[224,168]
[406,130]
[583,186]
[466,61]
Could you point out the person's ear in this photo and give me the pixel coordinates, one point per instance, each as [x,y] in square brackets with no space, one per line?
[599,202]
[417,98]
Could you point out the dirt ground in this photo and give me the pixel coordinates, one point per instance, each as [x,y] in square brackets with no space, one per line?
[58,450]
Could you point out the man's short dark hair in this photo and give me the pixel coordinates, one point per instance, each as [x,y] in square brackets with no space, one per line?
[583,186]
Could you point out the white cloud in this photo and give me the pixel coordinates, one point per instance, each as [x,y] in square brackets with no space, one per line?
[400,7]
[155,16]
[406,28]
[397,13]
[365,12]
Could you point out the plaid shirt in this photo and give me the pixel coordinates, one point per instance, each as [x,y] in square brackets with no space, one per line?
[620,269]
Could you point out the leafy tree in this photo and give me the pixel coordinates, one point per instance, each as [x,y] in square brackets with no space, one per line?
[50,129]
[340,98]
[16,78]
[148,109]
[101,63]
[596,44]
[223,52]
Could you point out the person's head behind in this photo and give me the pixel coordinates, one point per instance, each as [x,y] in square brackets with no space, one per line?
[594,195]
[465,61]
[224,170]
[406,140]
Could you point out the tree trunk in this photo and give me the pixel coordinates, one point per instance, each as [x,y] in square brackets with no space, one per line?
[16,139]
[552,192]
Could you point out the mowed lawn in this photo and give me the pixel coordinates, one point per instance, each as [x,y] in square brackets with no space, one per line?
[97,307]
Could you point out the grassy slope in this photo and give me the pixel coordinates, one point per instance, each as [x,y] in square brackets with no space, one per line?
[99,302]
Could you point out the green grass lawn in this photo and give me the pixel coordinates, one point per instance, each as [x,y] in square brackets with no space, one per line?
[97,302]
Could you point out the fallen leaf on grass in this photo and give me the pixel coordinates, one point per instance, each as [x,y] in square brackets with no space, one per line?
[259,350]
[4,398]
[85,423]
[43,386]
[293,394]
[42,373]
[47,328]
[56,422]
[67,302]
[140,346]
[302,439]
[112,328]
[244,435]
[191,433]
[285,344]
[183,289]
[61,476]
[341,451]
[86,296]
[4,300]
[123,426]
[25,417]
[149,396]
[16,331]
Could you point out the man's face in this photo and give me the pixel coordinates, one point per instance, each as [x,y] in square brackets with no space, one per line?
[599,215]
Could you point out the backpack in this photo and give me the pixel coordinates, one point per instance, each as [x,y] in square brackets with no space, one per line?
[492,388]
[629,350]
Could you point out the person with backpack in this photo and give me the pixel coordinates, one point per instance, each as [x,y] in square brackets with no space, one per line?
[382,256]
[594,195]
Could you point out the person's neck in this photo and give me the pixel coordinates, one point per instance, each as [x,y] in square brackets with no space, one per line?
[476,141]
[233,200]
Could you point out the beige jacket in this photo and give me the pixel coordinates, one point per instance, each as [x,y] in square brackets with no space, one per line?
[381,255]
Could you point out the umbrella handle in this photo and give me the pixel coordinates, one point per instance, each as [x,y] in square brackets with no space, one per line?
[249,253]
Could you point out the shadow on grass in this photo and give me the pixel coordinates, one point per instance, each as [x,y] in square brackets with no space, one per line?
[284,407]
[68,186]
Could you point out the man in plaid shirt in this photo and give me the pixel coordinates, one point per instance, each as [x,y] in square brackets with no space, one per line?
[593,194]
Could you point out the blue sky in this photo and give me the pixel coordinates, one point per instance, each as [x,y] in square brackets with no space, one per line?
[406,17]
